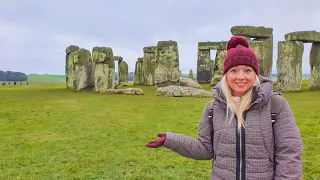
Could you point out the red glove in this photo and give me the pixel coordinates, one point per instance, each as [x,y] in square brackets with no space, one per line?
[157,143]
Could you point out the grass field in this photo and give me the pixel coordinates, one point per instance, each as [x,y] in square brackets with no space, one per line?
[48,132]
[46,79]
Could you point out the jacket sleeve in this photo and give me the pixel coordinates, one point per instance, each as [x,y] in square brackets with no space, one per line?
[288,144]
[200,148]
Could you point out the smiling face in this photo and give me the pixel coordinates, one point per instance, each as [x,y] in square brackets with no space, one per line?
[240,79]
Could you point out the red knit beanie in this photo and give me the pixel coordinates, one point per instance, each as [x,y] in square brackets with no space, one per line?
[239,53]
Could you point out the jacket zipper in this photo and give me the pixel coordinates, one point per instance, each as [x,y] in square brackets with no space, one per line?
[240,153]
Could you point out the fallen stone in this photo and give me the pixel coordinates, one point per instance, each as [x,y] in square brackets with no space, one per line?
[167,64]
[181,91]
[289,65]
[304,36]
[126,91]
[252,31]
[187,82]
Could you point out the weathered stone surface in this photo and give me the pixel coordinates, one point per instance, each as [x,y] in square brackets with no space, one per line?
[213,65]
[251,31]
[117,58]
[191,74]
[247,38]
[203,66]
[149,65]
[220,45]
[167,64]
[289,65]
[72,48]
[150,49]
[138,72]
[304,36]
[315,66]
[104,68]
[215,80]
[265,58]
[189,83]
[123,73]
[127,91]
[181,91]
[79,70]
[212,45]
[264,65]
[219,60]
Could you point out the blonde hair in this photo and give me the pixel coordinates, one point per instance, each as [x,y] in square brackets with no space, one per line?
[231,106]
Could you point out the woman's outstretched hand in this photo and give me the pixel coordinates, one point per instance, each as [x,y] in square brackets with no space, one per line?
[157,143]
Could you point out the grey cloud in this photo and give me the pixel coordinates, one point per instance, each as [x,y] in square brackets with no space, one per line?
[41,30]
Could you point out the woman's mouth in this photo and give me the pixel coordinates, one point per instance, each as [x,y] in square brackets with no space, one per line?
[240,84]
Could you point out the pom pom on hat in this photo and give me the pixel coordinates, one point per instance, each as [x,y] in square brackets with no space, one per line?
[240,53]
[237,40]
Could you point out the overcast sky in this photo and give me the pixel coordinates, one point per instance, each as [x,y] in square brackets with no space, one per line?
[35,33]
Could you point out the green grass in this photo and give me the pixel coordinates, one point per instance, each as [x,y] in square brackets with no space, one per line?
[48,132]
[46,79]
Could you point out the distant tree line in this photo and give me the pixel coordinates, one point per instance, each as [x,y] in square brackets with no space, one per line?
[12,76]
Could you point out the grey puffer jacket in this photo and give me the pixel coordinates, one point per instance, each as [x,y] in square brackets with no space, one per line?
[253,152]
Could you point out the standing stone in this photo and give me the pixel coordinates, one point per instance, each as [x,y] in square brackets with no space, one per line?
[138,72]
[104,68]
[123,73]
[167,64]
[204,66]
[79,69]
[212,67]
[69,68]
[259,33]
[315,66]
[191,74]
[265,61]
[219,60]
[84,70]
[149,64]
[289,65]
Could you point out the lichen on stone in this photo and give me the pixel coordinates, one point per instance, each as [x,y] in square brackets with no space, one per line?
[149,63]
[104,68]
[167,64]
[251,31]
[289,65]
[315,66]
[304,36]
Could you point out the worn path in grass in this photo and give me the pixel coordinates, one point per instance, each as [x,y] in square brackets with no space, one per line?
[48,132]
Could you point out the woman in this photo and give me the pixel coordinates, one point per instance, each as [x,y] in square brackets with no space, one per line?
[240,137]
